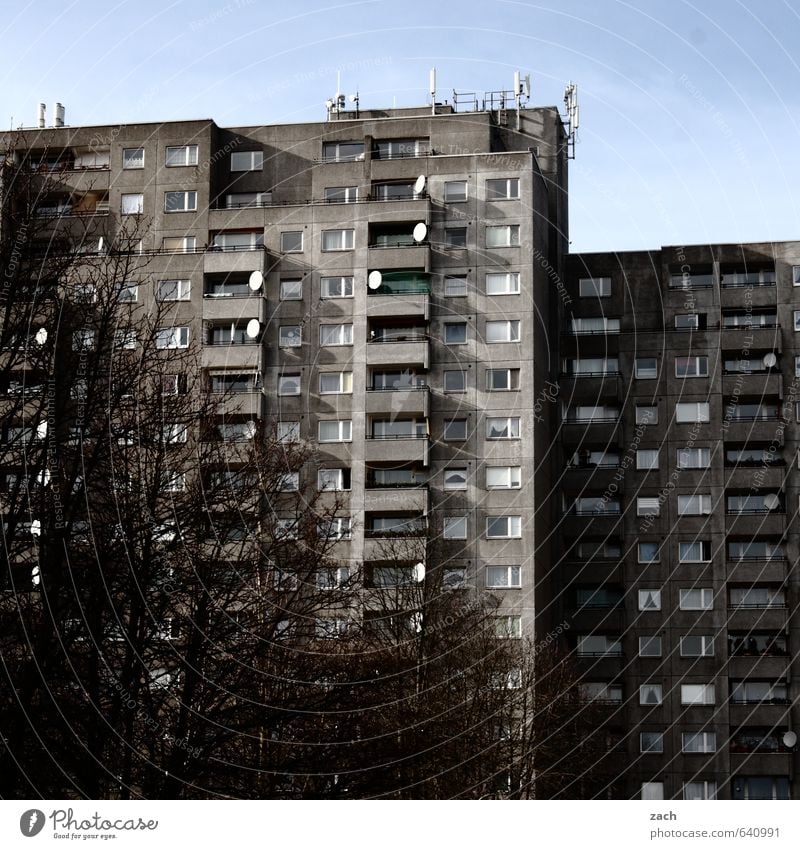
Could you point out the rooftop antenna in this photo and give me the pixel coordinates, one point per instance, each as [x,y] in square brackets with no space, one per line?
[41,123]
[522,89]
[432,88]
[572,116]
[338,103]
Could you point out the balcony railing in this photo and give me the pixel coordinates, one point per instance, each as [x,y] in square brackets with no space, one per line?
[398,436]
[416,387]
[371,483]
[770,605]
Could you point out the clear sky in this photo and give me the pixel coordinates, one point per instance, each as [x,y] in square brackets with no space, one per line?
[689,111]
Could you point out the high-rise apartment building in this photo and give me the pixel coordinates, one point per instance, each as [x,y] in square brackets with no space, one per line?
[606,442]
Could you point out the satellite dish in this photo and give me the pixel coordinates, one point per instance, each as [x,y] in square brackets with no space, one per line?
[100,245]
[253,328]
[256,281]
[770,360]
[790,739]
[374,280]
[771,501]
[36,528]
[419,185]
[41,336]
[36,576]
[420,232]
[419,573]
[41,430]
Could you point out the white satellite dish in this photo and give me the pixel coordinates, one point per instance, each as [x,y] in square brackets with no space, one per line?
[253,328]
[419,573]
[420,232]
[771,501]
[419,186]
[100,245]
[770,360]
[36,576]
[790,739]
[36,528]
[256,281]
[374,280]
[41,430]
[41,336]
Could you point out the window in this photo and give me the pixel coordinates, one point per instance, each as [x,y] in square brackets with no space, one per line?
[335,334]
[336,287]
[650,646]
[646,368]
[288,431]
[455,429]
[694,458]
[172,337]
[757,597]
[290,336]
[173,384]
[502,379]
[125,339]
[179,244]
[694,790]
[594,287]
[694,552]
[246,240]
[506,283]
[242,200]
[455,527]
[698,694]
[248,160]
[503,577]
[455,191]
[336,431]
[646,414]
[173,481]
[336,480]
[694,505]
[601,691]
[796,275]
[455,381]
[181,155]
[650,694]
[289,384]
[697,646]
[455,237]
[649,600]
[332,578]
[292,241]
[336,383]
[691,366]
[651,741]
[502,331]
[691,280]
[132,204]
[699,742]
[797,319]
[174,290]
[454,578]
[647,459]
[696,599]
[292,290]
[691,413]
[400,148]
[758,692]
[503,527]
[342,151]
[128,293]
[503,477]
[502,236]
[507,189]
[338,240]
[455,479]
[180,201]
[455,286]
[652,790]
[133,158]
[648,506]
[690,321]
[455,333]
[508,627]
[503,427]
[648,552]
[175,434]
[341,194]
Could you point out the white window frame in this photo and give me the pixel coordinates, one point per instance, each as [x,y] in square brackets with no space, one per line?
[652,791]
[706,598]
[642,372]
[343,428]
[649,600]
[707,696]
[707,790]
[332,480]
[502,235]
[462,387]
[510,373]
[125,339]
[127,203]
[343,239]
[650,641]
[648,506]
[657,690]
[696,504]
[656,559]
[456,484]
[292,289]
[695,366]
[508,626]
[511,189]
[647,459]
[247,160]
[131,295]
[182,290]
[707,741]
[169,338]
[345,379]
[335,335]
[285,379]
[507,477]
[290,336]
[179,244]
[513,527]
[455,527]
[189,201]
[655,748]
[137,157]
[512,577]
[511,331]
[453,324]
[701,411]
[502,283]
[189,155]
[462,196]
[288,431]
[646,414]
[694,458]
[348,194]
[286,233]
[704,544]
[594,287]
[455,285]
[345,286]
[706,645]
[512,427]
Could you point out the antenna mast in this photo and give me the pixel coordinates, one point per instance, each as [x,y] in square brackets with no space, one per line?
[572,116]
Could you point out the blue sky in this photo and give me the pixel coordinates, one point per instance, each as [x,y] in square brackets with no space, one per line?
[689,111]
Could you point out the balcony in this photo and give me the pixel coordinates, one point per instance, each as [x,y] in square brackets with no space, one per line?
[750,571]
[400,294]
[225,261]
[756,337]
[758,666]
[772,617]
[218,308]
[397,449]
[241,404]
[752,383]
[410,350]
[386,499]
[411,401]
[236,355]
[600,429]
[588,386]
[398,251]
[770,522]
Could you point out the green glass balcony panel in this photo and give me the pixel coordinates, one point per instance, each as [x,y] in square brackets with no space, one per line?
[403,283]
